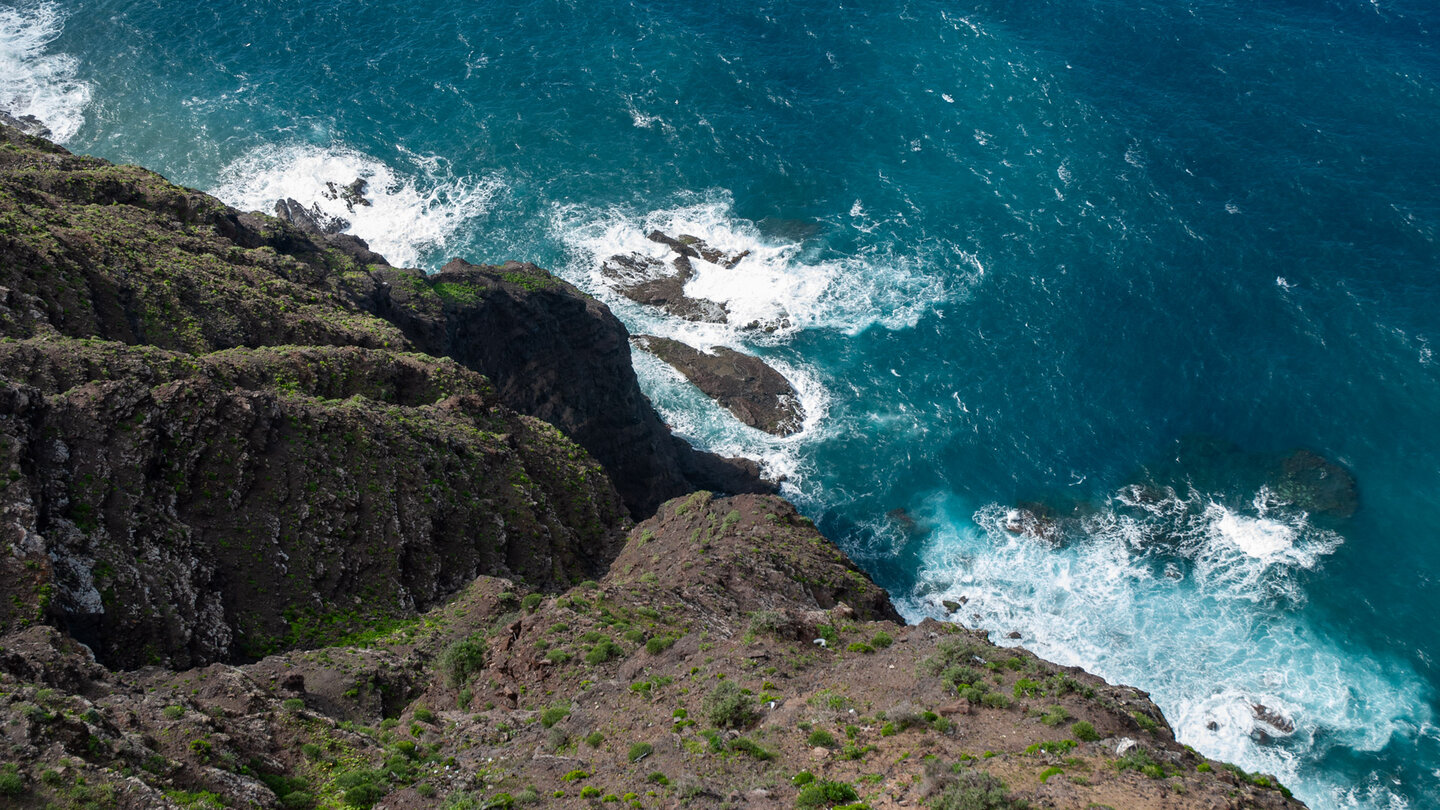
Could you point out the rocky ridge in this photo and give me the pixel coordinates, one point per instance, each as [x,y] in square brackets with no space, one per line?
[322,551]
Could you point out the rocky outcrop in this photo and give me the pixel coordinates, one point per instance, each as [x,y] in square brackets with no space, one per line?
[165,507]
[745,385]
[654,282]
[557,354]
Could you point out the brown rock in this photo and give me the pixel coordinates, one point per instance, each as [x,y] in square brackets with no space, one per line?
[756,393]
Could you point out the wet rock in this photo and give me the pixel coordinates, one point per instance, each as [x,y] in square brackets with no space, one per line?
[1035,522]
[310,220]
[650,281]
[757,394]
[1276,721]
[28,124]
[352,193]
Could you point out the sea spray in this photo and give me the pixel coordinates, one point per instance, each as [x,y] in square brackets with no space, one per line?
[34,80]
[407,215]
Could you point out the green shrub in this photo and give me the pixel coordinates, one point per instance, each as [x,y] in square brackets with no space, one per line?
[729,706]
[860,647]
[1054,716]
[959,677]
[362,788]
[589,792]
[424,715]
[11,782]
[767,622]
[1145,722]
[1139,759]
[594,739]
[553,715]
[531,601]
[1026,687]
[639,751]
[749,746]
[659,644]
[1084,731]
[996,700]
[292,704]
[603,651]
[820,738]
[297,800]
[174,712]
[976,790]
[463,659]
[825,794]
[657,778]
[881,640]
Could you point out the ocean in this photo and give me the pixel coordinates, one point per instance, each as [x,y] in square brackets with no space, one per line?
[1098,268]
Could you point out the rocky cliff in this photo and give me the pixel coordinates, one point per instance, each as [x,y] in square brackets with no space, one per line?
[284,526]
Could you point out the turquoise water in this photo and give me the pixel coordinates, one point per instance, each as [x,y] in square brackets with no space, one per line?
[1019,252]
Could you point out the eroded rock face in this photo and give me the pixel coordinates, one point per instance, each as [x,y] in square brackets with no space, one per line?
[172,508]
[757,394]
[559,355]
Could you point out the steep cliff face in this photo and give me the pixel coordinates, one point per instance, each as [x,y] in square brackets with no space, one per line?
[168,507]
[521,327]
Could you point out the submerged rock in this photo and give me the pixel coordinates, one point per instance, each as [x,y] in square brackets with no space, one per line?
[1316,484]
[757,394]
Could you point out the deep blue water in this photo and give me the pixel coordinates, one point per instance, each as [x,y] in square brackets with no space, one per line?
[1026,251]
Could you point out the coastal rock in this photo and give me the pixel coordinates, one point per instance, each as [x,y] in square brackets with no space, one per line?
[174,495]
[310,220]
[559,355]
[648,280]
[745,385]
[28,124]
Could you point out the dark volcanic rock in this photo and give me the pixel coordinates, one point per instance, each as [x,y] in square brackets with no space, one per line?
[310,220]
[198,509]
[647,280]
[757,394]
[559,355]
[119,253]
[28,124]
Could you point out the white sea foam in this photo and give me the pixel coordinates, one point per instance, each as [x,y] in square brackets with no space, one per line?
[34,81]
[777,283]
[1220,645]
[414,211]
